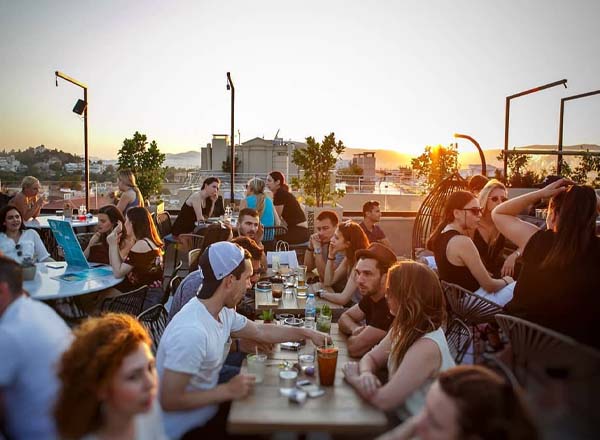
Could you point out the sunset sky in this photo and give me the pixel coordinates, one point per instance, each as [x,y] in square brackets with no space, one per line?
[380,74]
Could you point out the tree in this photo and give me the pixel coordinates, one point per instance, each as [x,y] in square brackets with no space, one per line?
[145,162]
[226,164]
[518,175]
[316,160]
[436,163]
[352,170]
[586,165]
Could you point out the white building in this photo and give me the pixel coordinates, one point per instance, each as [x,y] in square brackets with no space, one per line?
[72,167]
[9,163]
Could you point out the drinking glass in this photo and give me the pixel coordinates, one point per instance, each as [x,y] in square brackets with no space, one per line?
[327,362]
[256,366]
[306,359]
[324,323]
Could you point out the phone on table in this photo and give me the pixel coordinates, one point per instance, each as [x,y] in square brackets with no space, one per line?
[310,388]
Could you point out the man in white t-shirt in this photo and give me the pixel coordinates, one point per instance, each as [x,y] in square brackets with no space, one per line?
[32,339]
[194,345]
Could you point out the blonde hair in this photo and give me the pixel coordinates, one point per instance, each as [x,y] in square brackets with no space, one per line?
[417,290]
[128,178]
[484,194]
[28,182]
[257,186]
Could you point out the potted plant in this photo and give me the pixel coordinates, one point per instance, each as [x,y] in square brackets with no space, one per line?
[29,268]
[267,316]
[324,319]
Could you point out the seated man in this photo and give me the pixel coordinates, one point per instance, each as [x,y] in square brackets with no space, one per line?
[28,201]
[193,347]
[371,216]
[368,321]
[318,247]
[32,339]
[249,226]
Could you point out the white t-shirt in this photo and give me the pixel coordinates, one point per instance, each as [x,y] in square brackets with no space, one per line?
[30,245]
[32,339]
[195,343]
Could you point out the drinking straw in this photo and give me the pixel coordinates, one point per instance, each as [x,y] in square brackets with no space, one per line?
[256,349]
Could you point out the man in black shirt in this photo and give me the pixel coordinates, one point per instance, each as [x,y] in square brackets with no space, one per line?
[368,321]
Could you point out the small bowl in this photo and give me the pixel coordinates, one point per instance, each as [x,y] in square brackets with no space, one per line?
[294,322]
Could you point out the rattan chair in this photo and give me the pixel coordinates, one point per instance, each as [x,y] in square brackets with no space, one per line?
[194,254]
[69,310]
[155,320]
[459,337]
[186,243]
[84,238]
[130,302]
[431,210]
[272,233]
[163,224]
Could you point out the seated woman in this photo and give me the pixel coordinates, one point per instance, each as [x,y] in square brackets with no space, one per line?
[19,243]
[348,238]
[488,241]
[96,251]
[199,206]
[288,209]
[108,382]
[558,286]
[415,349]
[456,256]
[143,265]
[469,402]
[130,193]
[256,199]
[28,201]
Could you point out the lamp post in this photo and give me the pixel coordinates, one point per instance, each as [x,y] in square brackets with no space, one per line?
[481,155]
[81,107]
[507,114]
[560,125]
[232,88]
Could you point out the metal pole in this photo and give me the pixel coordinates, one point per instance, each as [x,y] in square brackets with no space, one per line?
[230,84]
[481,155]
[561,123]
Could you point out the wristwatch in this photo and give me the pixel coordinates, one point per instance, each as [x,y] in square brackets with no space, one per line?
[317,251]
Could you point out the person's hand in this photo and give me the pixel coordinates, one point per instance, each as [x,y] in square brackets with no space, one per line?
[95,239]
[357,331]
[250,346]
[350,370]
[240,386]
[508,280]
[260,233]
[508,268]
[368,384]
[41,201]
[555,188]
[319,338]
[113,238]
[315,241]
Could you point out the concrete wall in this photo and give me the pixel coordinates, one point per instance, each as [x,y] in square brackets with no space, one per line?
[399,231]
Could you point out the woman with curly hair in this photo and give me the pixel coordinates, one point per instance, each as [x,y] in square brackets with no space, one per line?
[415,349]
[108,382]
[348,238]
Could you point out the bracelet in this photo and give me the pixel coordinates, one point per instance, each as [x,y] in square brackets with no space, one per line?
[310,249]
[505,282]
[518,253]
[331,259]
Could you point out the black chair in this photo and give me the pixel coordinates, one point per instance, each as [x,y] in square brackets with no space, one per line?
[171,288]
[459,337]
[272,233]
[155,320]
[84,238]
[69,310]
[187,242]
[130,302]
[163,224]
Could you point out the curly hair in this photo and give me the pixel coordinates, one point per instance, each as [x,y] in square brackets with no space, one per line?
[100,344]
[356,237]
[422,306]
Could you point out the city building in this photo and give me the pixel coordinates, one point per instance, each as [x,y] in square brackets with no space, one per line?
[366,161]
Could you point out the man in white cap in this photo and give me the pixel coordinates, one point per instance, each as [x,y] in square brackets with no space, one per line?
[196,341]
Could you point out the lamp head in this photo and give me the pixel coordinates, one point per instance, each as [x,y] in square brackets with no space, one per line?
[228,88]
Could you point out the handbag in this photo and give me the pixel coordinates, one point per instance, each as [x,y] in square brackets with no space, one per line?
[283,254]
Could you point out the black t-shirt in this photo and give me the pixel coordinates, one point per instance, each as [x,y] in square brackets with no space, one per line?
[377,314]
[567,299]
[491,256]
[292,212]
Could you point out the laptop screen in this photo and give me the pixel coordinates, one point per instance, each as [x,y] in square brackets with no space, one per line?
[66,239]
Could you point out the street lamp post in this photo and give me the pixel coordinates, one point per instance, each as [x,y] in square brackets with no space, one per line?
[507,113]
[560,125]
[481,155]
[232,88]
[85,132]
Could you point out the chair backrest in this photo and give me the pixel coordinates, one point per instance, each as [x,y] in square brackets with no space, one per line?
[155,320]
[459,337]
[163,224]
[193,255]
[84,238]
[471,308]
[174,284]
[431,210]
[130,302]
[69,310]
[271,233]
[190,241]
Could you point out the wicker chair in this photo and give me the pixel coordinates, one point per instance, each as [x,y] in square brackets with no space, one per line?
[84,238]
[193,255]
[431,210]
[69,310]
[163,224]
[271,235]
[155,320]
[459,338]
[187,242]
[130,302]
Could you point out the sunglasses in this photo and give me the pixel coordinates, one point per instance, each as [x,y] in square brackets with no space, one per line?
[18,249]
[474,211]
[495,199]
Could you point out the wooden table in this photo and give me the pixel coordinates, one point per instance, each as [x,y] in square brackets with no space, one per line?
[339,411]
[292,305]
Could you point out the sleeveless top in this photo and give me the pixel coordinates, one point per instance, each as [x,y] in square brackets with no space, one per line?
[416,401]
[460,275]
[135,203]
[147,268]
[185,221]
[491,256]
[268,216]
[99,253]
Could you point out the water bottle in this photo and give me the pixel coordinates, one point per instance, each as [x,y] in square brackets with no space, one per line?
[310,311]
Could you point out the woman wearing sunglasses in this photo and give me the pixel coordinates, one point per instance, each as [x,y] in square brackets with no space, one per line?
[456,256]
[19,243]
[488,240]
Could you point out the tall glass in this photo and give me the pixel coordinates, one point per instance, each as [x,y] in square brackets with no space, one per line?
[301,277]
[327,362]
[256,366]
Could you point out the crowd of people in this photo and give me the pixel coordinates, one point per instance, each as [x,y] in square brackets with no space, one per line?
[100,380]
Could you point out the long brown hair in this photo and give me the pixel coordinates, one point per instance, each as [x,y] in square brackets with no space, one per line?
[576,213]
[278,176]
[115,216]
[456,200]
[128,177]
[353,234]
[89,365]
[416,288]
[488,406]
[143,225]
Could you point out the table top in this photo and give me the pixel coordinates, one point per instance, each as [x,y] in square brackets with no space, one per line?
[340,410]
[42,222]
[45,286]
[288,304]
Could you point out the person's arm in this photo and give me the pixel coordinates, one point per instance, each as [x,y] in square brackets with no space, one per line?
[243,204]
[126,198]
[93,241]
[271,334]
[505,214]
[463,249]
[363,374]
[346,294]
[279,210]
[175,396]
[508,267]
[385,241]
[351,319]
[197,205]
[119,268]
[360,343]
[333,274]
[40,250]
[276,215]
[405,431]
[18,201]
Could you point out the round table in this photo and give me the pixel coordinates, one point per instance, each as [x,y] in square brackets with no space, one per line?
[45,286]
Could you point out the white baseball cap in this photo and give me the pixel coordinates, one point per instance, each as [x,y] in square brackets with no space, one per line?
[216,262]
